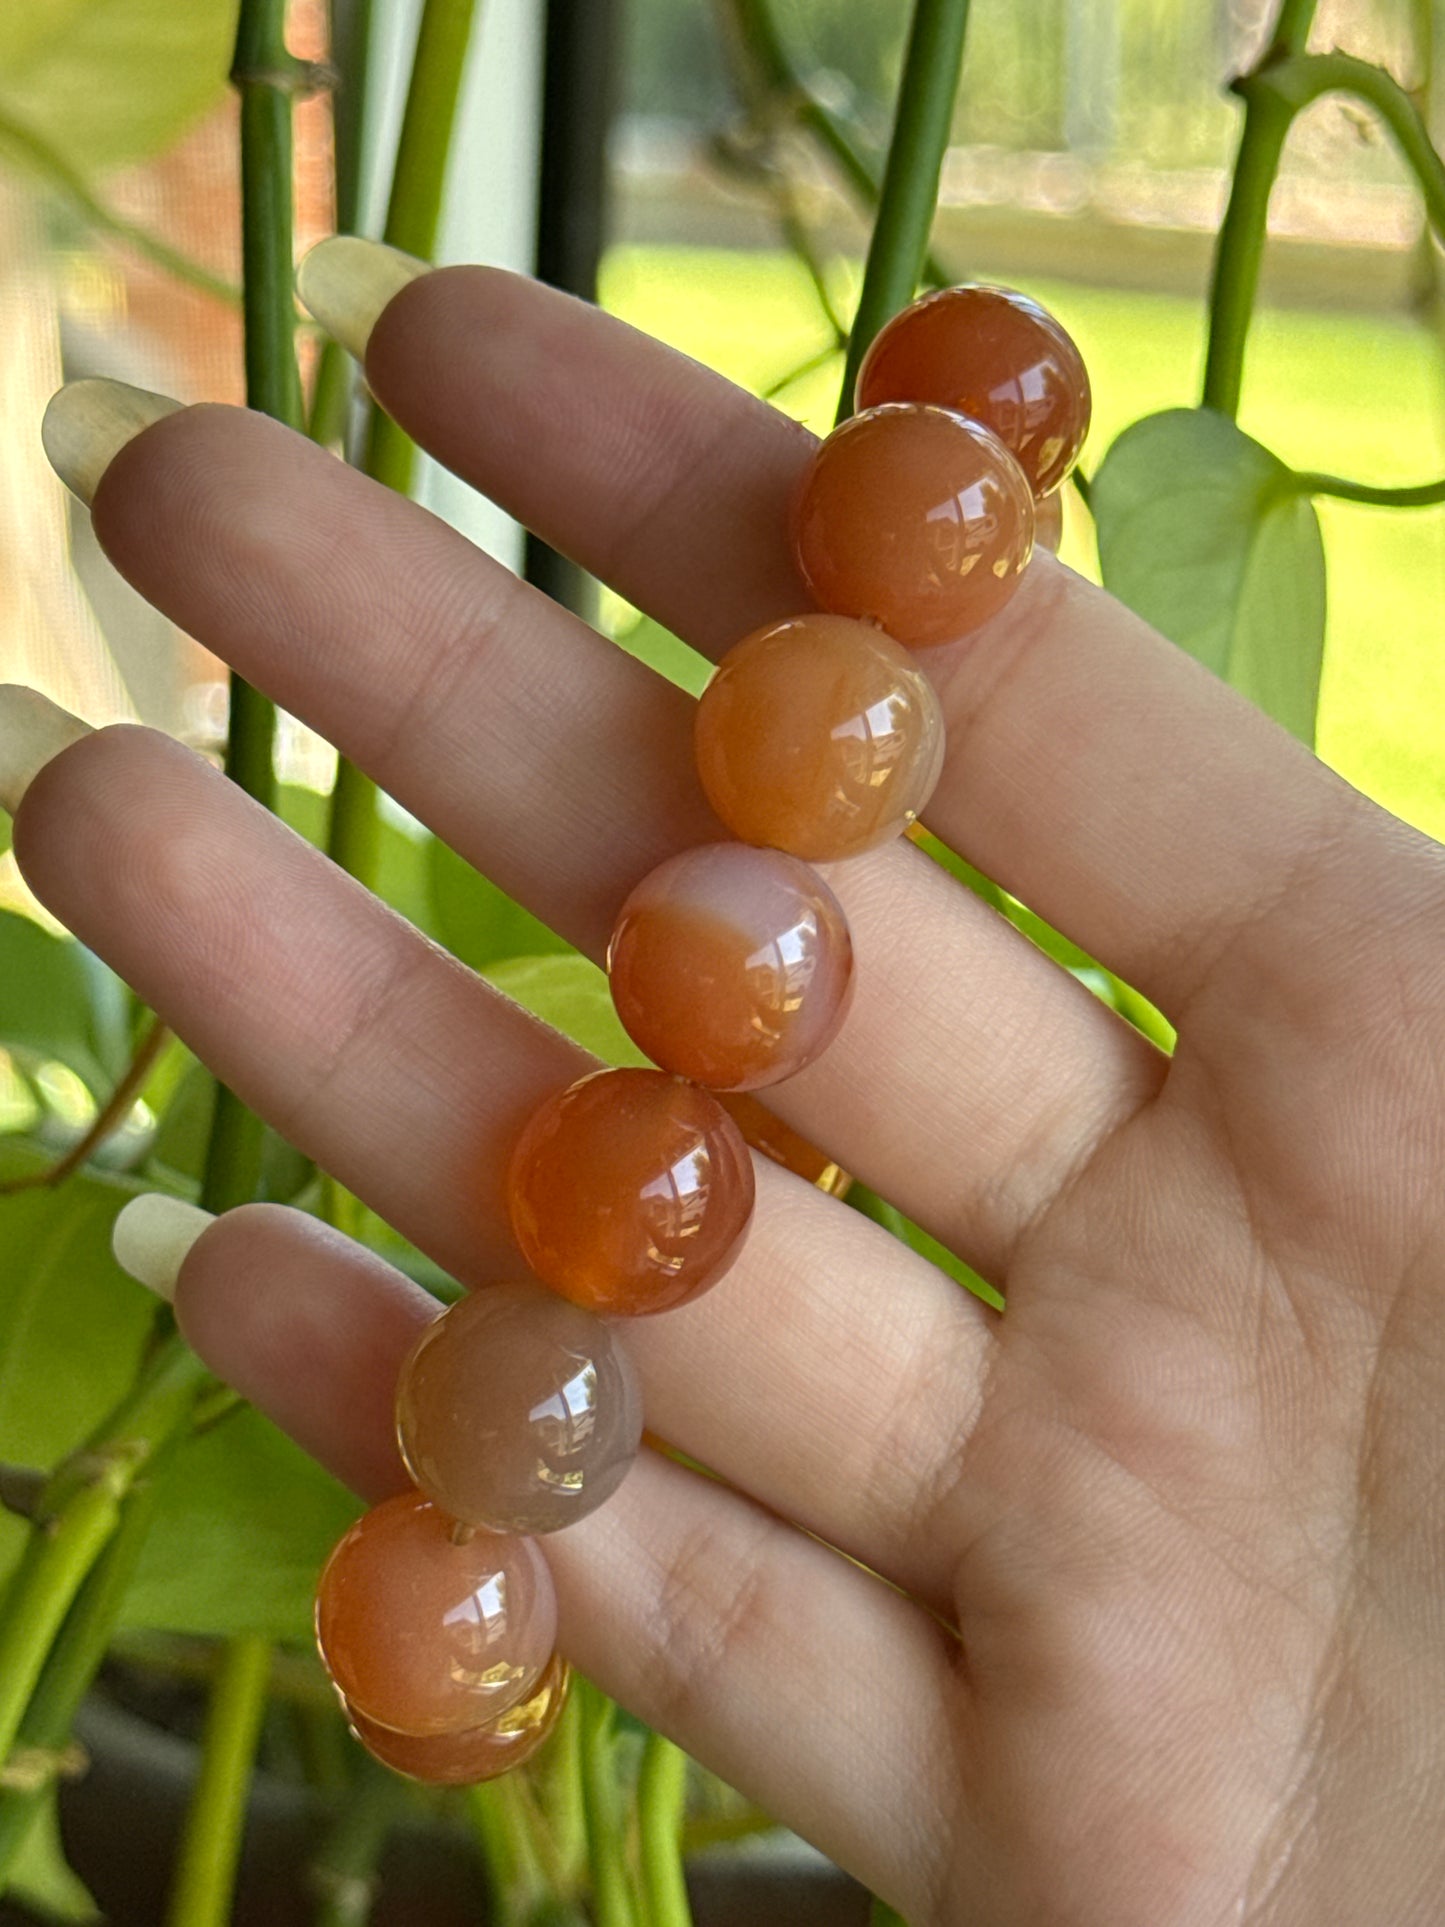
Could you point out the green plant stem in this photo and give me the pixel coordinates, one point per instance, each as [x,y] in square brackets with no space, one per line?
[211,1844]
[612,1899]
[54,1566]
[754,33]
[413,215]
[344,1872]
[661,1804]
[1239,247]
[63,178]
[73,1661]
[80,1511]
[506,1833]
[1282,86]
[932,64]
[1298,79]
[1415,495]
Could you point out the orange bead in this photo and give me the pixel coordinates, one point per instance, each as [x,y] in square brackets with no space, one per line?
[915,519]
[428,1630]
[479,1753]
[731,965]
[997,357]
[630,1191]
[819,736]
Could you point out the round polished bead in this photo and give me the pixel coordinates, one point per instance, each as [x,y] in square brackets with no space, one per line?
[819,736]
[997,357]
[630,1191]
[1049,522]
[479,1752]
[731,965]
[517,1411]
[428,1628]
[915,519]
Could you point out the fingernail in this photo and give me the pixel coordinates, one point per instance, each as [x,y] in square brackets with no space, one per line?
[346,282]
[88,423]
[32,730]
[152,1236]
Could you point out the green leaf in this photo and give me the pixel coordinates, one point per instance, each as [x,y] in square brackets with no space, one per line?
[72,1325]
[40,1876]
[1201,534]
[661,650]
[478,922]
[57,1000]
[106,81]
[244,1521]
[570,994]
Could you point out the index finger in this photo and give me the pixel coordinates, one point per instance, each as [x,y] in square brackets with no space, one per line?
[1095,771]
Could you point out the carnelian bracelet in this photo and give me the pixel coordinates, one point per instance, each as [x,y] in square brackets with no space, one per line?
[731,966]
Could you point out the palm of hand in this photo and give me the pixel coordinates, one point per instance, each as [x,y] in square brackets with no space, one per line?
[1178,1506]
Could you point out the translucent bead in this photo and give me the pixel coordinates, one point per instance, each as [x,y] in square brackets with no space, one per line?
[997,357]
[630,1191]
[819,736]
[479,1752]
[428,1629]
[517,1411]
[916,519]
[731,965]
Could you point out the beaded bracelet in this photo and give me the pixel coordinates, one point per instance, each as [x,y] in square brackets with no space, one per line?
[731,966]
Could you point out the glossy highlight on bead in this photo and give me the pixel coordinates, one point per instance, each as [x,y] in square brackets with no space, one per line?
[478,1753]
[429,1629]
[518,1411]
[731,965]
[913,518]
[630,1192]
[819,736]
[999,358]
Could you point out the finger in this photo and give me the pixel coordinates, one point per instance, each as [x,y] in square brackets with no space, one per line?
[563,769]
[852,1365]
[1094,770]
[800,1679]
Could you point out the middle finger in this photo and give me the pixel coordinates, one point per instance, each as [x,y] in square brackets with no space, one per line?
[971,1077]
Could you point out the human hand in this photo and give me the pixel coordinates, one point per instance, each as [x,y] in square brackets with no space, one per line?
[1165,1542]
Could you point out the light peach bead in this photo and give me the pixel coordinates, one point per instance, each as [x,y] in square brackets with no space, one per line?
[732,965]
[819,736]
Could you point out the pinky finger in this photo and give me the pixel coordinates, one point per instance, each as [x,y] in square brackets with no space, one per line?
[811,1686]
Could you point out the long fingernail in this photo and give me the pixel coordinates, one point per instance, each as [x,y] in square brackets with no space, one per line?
[32,730]
[152,1236]
[88,423]
[346,282]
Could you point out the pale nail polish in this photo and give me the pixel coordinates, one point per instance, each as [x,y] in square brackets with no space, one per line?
[88,423]
[152,1236]
[32,730]
[345,282]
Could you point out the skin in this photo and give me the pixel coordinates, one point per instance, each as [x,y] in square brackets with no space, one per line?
[1163,1641]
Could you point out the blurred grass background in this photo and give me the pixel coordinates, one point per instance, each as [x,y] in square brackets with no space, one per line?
[1361,395]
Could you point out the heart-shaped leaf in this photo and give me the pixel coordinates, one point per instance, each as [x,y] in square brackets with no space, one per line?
[243,1524]
[1202,533]
[57,1000]
[100,82]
